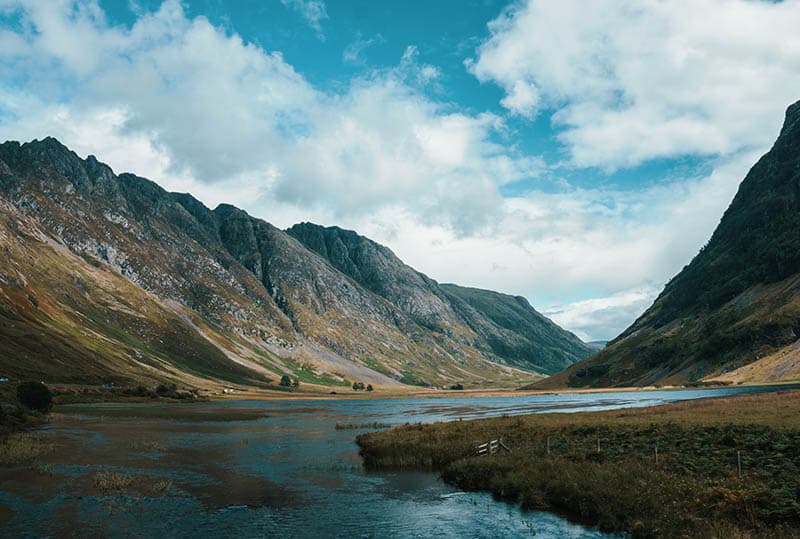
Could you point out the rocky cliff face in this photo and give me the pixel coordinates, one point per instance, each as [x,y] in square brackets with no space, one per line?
[110,277]
[734,312]
[503,327]
[515,331]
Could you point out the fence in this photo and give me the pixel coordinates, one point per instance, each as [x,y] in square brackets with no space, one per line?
[491,447]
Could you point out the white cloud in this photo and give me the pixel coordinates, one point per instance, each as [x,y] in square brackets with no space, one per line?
[200,110]
[354,52]
[616,248]
[522,98]
[216,108]
[313,11]
[634,80]
[602,317]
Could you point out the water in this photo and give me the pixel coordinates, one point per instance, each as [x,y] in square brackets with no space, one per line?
[289,473]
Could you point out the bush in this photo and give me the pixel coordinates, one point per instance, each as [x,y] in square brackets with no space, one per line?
[369,387]
[138,391]
[36,396]
[358,386]
[457,387]
[166,390]
[286,381]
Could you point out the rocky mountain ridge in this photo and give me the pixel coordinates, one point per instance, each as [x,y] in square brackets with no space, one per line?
[111,277]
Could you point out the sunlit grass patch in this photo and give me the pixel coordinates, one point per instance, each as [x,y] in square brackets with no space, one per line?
[359,426]
[114,482]
[162,486]
[148,446]
[44,469]
[23,448]
[108,481]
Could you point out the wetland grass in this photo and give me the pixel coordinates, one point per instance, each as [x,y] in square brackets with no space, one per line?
[693,491]
[23,448]
[360,426]
[108,481]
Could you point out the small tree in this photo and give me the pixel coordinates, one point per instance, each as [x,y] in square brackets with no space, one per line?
[166,390]
[358,386]
[296,382]
[369,387]
[36,396]
[286,381]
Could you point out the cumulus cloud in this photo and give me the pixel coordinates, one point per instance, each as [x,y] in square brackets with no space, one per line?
[634,80]
[217,108]
[607,250]
[601,318]
[199,109]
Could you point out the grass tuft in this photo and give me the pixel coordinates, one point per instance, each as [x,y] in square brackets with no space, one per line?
[148,446]
[23,448]
[107,481]
[359,426]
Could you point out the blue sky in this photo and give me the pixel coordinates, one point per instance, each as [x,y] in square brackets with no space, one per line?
[575,153]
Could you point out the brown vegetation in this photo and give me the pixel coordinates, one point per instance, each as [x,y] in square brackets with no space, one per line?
[22,448]
[692,490]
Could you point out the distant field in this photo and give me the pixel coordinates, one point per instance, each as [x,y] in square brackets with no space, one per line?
[601,467]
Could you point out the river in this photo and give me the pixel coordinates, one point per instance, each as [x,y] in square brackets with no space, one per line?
[271,468]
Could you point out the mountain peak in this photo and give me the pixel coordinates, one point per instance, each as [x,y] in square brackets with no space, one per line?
[793,112]
[51,146]
[791,124]
[736,302]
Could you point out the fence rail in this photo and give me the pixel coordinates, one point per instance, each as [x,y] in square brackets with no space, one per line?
[491,447]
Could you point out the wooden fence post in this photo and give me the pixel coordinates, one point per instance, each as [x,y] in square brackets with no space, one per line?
[739,463]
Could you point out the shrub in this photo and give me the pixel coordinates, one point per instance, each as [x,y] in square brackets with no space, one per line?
[457,387]
[36,396]
[165,390]
[358,386]
[286,381]
[138,391]
[369,387]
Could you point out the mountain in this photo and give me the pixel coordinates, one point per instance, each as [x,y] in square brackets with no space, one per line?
[110,278]
[732,314]
[506,327]
[596,345]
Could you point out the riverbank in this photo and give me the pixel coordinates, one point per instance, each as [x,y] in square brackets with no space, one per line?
[248,469]
[413,392]
[84,393]
[601,468]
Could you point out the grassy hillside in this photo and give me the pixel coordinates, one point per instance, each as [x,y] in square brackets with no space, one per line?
[111,278]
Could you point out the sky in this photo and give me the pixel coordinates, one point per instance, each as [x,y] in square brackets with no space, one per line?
[575,153]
